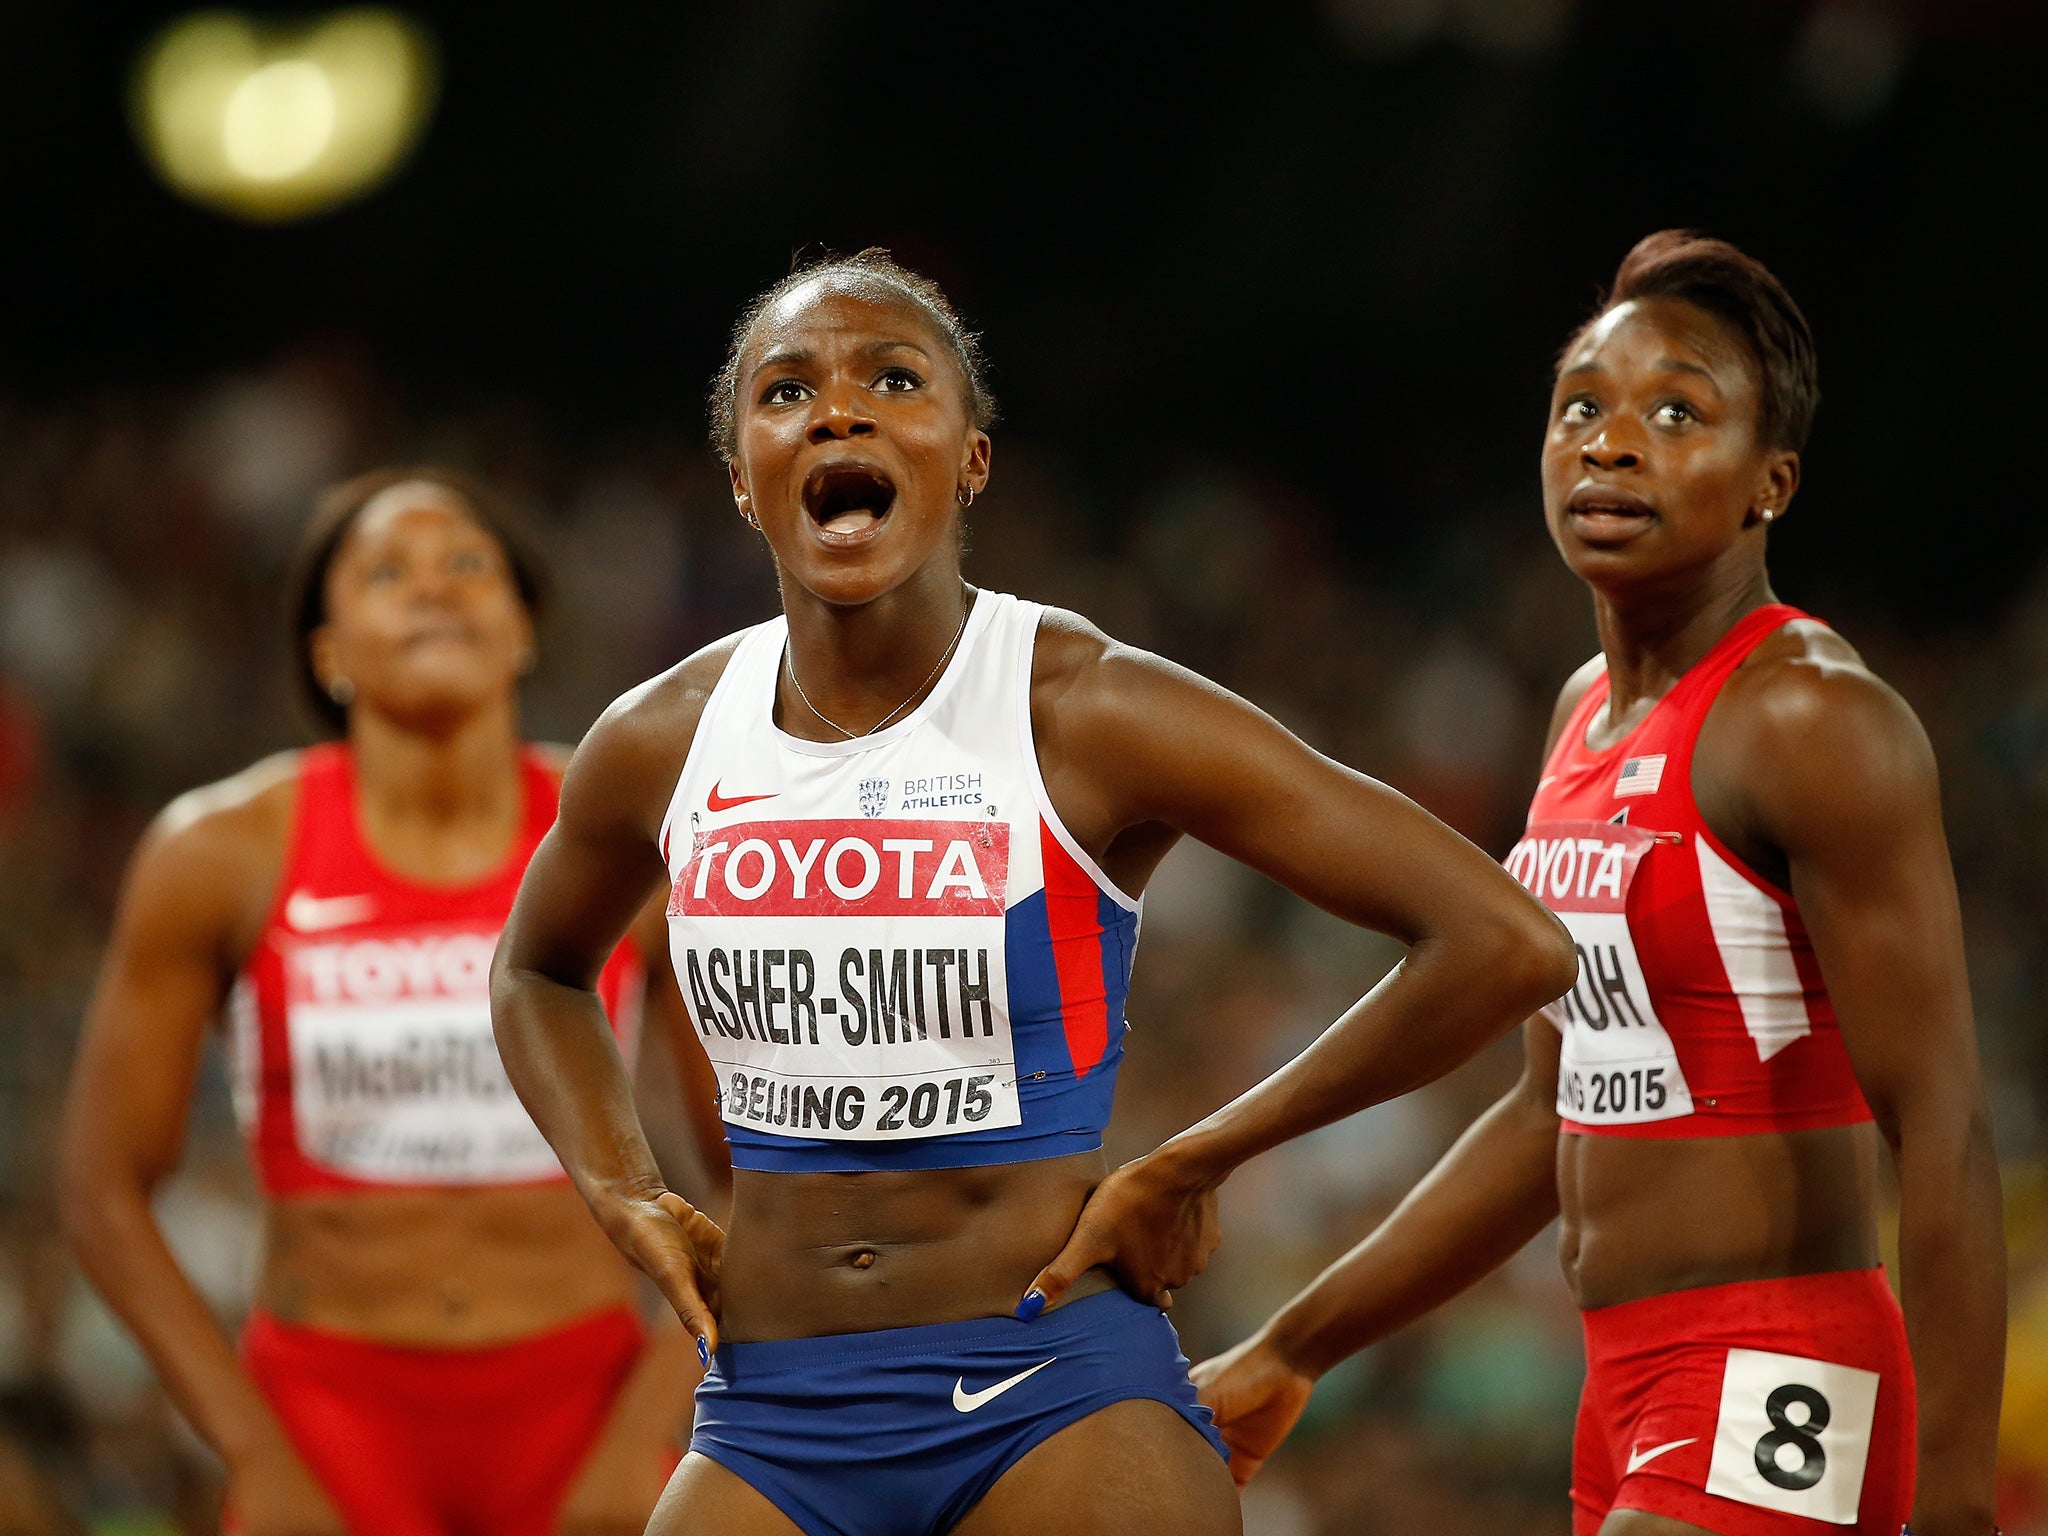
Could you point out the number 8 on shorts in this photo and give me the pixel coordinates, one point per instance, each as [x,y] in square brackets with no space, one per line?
[1793,1435]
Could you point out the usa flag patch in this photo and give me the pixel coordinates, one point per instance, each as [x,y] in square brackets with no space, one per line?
[1640,775]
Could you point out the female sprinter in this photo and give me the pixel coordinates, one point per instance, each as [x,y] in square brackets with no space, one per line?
[1741,826]
[443,1342]
[904,828]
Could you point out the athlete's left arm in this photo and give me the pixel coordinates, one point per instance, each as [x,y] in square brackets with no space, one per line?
[1137,749]
[1838,774]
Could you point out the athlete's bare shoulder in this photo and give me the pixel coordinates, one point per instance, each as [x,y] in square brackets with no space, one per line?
[1571,696]
[1804,681]
[1067,648]
[633,755]
[1077,666]
[1800,644]
[1127,739]
[252,809]
[660,715]
[210,863]
[1805,735]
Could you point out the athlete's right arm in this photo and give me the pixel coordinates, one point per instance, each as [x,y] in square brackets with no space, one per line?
[184,913]
[591,874]
[1490,1194]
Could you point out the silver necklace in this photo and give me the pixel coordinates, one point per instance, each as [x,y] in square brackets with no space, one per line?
[789,666]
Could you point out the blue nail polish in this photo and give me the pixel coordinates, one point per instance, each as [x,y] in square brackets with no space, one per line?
[703,1352]
[1029,1308]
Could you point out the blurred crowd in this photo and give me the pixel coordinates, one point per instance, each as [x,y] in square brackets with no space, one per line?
[143,536]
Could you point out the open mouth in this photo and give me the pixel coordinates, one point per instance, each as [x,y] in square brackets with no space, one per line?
[1605,501]
[848,501]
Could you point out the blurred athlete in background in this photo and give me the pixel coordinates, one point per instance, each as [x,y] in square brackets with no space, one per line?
[443,1341]
[1741,825]
[905,827]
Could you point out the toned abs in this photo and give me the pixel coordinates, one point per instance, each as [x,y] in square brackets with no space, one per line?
[823,1253]
[1643,1216]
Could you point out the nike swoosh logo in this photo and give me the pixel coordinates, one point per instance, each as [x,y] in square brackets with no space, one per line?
[312,914]
[967,1401]
[717,802]
[1638,1459]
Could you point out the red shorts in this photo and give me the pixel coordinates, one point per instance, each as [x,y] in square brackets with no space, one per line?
[1763,1408]
[444,1442]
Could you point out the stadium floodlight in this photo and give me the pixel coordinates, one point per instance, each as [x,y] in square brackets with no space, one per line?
[275,121]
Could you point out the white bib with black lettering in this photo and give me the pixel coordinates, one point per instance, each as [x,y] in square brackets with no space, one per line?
[395,1073]
[1619,1066]
[848,974]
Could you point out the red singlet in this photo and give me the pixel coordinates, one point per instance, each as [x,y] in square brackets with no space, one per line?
[360,1028]
[1699,1009]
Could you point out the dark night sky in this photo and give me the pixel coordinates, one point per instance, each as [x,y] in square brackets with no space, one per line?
[1235,240]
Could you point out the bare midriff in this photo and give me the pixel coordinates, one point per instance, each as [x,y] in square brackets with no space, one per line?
[440,1268]
[823,1253]
[1644,1216]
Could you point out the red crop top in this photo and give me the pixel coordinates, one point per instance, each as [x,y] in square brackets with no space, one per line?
[1699,1008]
[361,1051]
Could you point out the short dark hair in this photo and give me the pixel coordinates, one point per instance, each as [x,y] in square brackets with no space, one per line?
[869,270]
[1733,286]
[335,514]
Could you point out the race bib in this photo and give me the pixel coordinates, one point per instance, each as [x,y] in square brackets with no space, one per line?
[1619,1066]
[1793,1435]
[848,977]
[395,1073]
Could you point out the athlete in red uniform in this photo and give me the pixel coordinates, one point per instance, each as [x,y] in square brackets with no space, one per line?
[443,1341]
[1740,825]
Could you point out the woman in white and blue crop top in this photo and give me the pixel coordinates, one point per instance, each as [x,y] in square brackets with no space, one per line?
[905,828]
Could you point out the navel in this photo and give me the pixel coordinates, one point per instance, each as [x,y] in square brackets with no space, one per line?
[456,1299]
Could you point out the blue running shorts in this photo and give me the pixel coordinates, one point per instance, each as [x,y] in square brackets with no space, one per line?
[901,1432]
